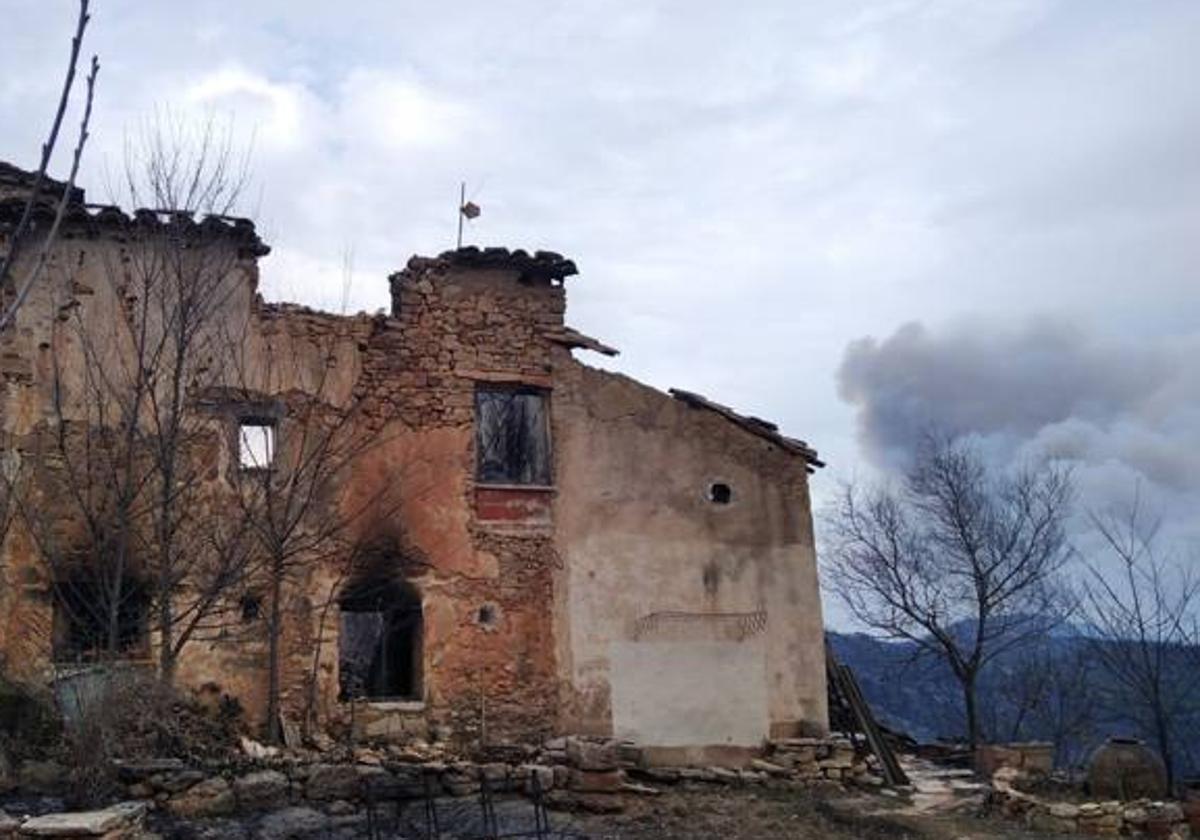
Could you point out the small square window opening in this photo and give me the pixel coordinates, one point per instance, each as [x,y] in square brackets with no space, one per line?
[251,607]
[256,444]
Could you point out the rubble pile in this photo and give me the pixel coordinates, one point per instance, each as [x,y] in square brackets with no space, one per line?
[815,759]
[123,821]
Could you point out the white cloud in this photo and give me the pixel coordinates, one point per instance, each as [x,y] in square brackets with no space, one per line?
[393,113]
[280,113]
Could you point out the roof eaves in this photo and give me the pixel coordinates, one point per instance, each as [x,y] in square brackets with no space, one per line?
[572,339]
[755,425]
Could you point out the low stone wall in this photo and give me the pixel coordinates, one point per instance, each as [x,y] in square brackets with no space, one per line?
[1035,758]
[1140,817]
[815,759]
[570,773]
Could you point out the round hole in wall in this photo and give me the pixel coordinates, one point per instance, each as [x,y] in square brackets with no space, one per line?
[720,493]
[487,615]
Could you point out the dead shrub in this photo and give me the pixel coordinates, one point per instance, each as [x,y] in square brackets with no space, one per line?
[29,723]
[134,718]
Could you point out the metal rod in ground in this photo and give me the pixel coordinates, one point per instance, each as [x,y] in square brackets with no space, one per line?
[462,200]
[433,831]
[491,829]
[369,796]
[541,819]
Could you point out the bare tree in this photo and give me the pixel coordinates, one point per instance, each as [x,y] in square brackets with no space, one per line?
[1141,607]
[292,493]
[134,431]
[188,292]
[17,238]
[1047,689]
[1070,715]
[16,477]
[961,560]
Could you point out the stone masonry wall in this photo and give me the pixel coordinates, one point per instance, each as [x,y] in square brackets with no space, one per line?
[487,588]
[490,562]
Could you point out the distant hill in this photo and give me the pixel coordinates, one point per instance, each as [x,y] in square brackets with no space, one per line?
[917,694]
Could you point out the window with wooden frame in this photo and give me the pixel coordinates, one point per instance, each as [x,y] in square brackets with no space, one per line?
[512,436]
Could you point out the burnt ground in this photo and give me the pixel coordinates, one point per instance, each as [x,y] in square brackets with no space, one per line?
[743,814]
[679,813]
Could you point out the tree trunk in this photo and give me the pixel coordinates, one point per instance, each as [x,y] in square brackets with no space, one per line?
[166,639]
[273,734]
[1162,734]
[970,707]
[115,593]
[112,644]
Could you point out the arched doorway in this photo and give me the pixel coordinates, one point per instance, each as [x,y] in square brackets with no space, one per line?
[379,640]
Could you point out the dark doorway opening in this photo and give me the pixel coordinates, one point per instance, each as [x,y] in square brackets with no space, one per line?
[379,643]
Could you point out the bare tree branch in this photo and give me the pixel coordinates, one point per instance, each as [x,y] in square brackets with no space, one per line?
[961,561]
[16,240]
[1141,609]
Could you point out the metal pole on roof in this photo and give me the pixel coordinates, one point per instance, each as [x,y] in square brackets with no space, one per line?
[462,200]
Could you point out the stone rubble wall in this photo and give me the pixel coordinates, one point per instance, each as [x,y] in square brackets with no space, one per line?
[574,773]
[1139,818]
[1032,757]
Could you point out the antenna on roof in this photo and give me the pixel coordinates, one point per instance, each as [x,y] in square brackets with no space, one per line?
[466,209]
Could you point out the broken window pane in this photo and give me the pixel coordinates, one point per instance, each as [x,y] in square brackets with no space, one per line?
[512,436]
[256,444]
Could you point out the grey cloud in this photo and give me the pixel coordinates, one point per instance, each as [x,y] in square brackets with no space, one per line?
[1123,413]
[746,187]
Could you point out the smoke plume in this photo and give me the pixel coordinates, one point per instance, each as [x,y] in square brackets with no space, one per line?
[1126,414]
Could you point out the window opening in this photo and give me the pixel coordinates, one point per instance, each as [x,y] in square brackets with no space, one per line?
[251,607]
[512,436]
[256,443]
[82,616]
[379,644]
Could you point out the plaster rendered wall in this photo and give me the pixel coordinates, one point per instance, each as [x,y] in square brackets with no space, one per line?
[663,693]
[639,537]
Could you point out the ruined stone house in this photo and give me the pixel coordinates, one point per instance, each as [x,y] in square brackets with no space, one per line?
[568,550]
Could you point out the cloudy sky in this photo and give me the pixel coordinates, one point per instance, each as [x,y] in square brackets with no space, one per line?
[850,217]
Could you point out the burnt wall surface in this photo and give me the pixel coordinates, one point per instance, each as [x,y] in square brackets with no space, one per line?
[543,605]
[486,583]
